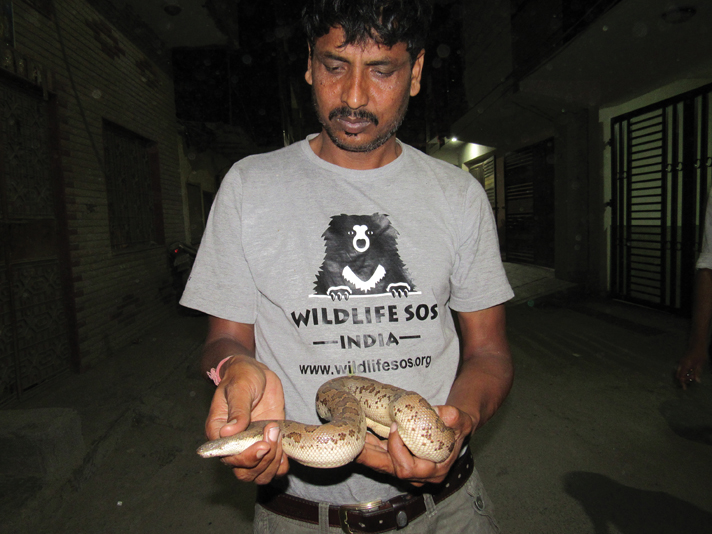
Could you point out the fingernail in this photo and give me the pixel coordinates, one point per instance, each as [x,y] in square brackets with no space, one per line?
[261,453]
[394,427]
[273,434]
[231,422]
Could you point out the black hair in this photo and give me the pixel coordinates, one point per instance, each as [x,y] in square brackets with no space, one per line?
[387,22]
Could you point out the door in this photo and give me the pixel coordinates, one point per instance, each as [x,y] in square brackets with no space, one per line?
[529,204]
[484,172]
[661,171]
[34,329]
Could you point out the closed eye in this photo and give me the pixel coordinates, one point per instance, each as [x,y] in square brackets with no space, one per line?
[384,73]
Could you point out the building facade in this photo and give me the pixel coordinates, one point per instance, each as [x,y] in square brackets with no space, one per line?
[90,188]
[598,131]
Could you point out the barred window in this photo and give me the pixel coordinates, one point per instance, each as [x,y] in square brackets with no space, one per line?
[133,188]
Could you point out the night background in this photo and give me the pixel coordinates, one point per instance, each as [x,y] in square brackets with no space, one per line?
[589,126]
[258,84]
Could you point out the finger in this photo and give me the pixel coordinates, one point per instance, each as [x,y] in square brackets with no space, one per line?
[230,405]
[461,422]
[251,464]
[687,375]
[449,414]
[407,466]
[698,376]
[217,416]
[273,458]
[250,458]
[376,442]
[283,466]
[397,449]
[375,455]
[239,405]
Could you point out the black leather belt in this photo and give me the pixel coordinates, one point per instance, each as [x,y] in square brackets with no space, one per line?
[375,516]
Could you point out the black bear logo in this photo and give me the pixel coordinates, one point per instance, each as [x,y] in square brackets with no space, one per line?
[362,259]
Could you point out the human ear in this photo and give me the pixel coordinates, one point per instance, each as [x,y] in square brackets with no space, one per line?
[308,73]
[416,73]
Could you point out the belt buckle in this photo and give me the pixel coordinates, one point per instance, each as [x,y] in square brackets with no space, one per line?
[346,508]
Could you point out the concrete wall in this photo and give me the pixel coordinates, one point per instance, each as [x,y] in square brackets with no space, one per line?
[100,75]
[201,169]
[487,40]
[571,97]
[578,206]
[580,245]
[459,153]
[571,175]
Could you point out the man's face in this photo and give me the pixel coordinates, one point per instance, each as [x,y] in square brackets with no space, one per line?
[360,92]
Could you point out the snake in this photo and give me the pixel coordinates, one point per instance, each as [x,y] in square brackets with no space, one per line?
[350,405]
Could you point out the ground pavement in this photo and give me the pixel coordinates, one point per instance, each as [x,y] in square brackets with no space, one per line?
[594,437]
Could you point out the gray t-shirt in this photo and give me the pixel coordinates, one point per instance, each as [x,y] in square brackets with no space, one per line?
[349,272]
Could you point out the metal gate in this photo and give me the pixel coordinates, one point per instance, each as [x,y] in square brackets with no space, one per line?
[529,204]
[661,174]
[484,172]
[34,340]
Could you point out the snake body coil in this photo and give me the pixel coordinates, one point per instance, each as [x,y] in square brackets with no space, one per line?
[350,404]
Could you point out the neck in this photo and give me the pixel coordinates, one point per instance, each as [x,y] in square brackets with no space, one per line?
[380,157]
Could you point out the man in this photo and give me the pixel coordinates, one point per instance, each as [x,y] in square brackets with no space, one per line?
[345,253]
[689,368]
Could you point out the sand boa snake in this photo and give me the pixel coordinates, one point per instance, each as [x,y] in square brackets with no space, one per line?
[350,404]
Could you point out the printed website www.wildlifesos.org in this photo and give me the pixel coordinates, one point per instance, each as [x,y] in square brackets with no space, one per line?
[363,367]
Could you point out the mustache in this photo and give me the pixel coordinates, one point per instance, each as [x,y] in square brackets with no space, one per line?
[347,113]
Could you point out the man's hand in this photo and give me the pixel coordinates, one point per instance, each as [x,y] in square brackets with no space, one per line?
[481,386]
[393,457]
[248,392]
[689,368]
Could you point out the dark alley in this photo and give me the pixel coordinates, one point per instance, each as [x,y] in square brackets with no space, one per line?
[563,146]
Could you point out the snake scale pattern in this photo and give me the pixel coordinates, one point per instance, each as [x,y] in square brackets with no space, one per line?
[350,404]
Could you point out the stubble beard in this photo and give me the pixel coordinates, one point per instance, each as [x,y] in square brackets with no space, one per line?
[345,111]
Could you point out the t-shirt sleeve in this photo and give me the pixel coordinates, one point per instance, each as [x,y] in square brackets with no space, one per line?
[478,280]
[220,282]
[704,261]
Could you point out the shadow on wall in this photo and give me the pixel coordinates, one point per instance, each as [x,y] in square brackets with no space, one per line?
[631,510]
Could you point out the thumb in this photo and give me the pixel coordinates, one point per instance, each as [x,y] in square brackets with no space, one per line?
[229,413]
[239,410]
[449,414]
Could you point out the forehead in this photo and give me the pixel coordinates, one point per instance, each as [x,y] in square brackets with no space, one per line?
[334,42]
